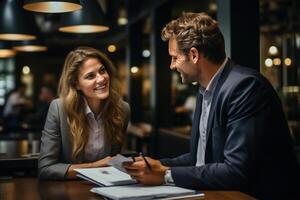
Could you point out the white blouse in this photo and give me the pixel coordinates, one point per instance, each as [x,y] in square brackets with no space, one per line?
[96,147]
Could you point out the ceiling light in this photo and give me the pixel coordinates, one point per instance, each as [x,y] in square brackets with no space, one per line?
[52,6]
[29,46]
[122,19]
[15,22]
[6,51]
[89,19]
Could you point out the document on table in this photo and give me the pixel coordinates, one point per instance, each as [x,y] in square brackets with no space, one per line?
[190,196]
[137,191]
[105,176]
[118,160]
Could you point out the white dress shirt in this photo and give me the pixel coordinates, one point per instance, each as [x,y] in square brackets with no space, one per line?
[207,94]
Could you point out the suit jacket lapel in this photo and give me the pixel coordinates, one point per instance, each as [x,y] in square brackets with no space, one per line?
[220,82]
[195,127]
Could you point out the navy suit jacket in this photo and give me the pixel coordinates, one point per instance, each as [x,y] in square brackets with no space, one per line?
[248,141]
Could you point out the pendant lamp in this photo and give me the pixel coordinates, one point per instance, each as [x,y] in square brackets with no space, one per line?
[29,46]
[52,6]
[6,51]
[15,22]
[89,19]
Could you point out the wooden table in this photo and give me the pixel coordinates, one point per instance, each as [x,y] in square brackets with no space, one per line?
[31,188]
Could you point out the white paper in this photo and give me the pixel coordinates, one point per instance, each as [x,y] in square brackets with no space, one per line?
[118,160]
[140,192]
[106,176]
[184,196]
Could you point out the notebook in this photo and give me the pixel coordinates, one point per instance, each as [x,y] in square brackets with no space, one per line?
[108,176]
[105,176]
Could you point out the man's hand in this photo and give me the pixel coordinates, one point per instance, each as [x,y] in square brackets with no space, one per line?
[143,174]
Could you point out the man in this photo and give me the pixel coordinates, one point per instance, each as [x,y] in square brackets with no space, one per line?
[16,103]
[240,137]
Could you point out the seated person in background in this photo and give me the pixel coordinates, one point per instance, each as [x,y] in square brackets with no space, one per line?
[185,104]
[188,107]
[240,137]
[87,124]
[14,105]
[37,119]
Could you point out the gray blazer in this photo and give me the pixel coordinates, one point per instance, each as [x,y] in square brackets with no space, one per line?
[56,147]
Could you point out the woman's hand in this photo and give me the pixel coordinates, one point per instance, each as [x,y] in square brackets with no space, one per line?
[101,163]
[71,173]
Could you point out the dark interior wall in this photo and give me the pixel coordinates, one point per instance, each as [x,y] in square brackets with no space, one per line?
[40,64]
[239,22]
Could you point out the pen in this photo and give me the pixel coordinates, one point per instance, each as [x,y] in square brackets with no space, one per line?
[147,163]
[133,158]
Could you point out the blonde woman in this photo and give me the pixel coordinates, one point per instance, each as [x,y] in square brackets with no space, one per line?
[87,124]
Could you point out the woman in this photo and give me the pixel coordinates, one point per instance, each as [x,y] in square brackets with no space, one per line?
[87,124]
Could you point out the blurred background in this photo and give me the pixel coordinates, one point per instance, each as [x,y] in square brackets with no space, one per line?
[261,34]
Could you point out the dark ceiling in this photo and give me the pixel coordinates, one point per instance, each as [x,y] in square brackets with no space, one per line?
[57,42]
[279,16]
[48,25]
[276,16]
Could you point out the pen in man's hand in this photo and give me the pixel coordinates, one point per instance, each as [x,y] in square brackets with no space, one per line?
[147,163]
[133,158]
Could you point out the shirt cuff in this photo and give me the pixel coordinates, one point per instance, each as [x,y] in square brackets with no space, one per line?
[168,178]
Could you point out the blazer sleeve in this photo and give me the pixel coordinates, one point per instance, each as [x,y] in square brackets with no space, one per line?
[49,166]
[247,106]
[182,160]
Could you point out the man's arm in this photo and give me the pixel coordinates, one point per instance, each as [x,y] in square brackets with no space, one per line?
[182,160]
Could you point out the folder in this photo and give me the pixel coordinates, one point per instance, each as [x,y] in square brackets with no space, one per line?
[140,192]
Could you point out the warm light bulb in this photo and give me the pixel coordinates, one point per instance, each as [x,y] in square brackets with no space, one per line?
[276,61]
[268,62]
[288,62]
[273,50]
[111,48]
[26,70]
[134,69]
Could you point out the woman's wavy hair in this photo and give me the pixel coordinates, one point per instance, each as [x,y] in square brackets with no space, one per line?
[112,111]
[197,30]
